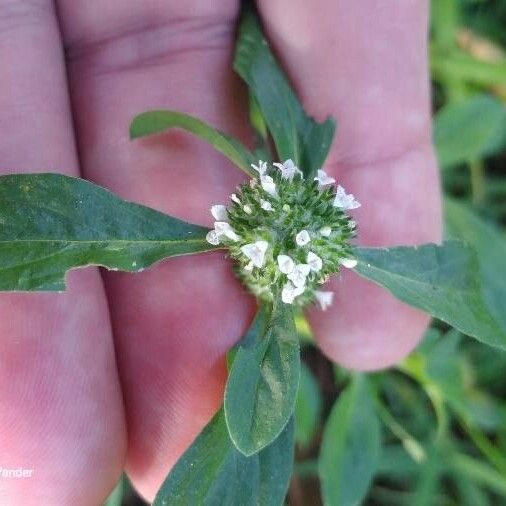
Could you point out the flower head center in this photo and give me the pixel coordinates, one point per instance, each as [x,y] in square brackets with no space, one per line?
[287,234]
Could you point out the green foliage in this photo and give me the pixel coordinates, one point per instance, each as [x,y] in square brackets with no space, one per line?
[441,280]
[442,410]
[351,446]
[116,496]
[307,408]
[295,134]
[468,130]
[213,472]
[155,122]
[52,223]
[263,381]
[490,246]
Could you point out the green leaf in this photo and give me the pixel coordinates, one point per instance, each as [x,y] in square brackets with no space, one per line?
[469,130]
[116,496]
[212,472]
[427,486]
[263,381]
[461,223]
[50,223]
[295,134]
[350,447]
[307,408]
[441,280]
[155,122]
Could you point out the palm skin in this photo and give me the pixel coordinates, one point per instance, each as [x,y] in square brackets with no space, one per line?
[122,371]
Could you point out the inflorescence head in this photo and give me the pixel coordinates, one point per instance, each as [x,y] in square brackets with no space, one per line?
[287,235]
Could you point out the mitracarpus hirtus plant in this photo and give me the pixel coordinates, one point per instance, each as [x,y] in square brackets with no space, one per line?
[288,229]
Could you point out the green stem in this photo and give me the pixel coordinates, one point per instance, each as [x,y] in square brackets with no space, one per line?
[410,444]
[462,66]
[494,456]
[477,182]
[480,472]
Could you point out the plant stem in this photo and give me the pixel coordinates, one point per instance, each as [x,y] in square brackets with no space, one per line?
[477,182]
[480,472]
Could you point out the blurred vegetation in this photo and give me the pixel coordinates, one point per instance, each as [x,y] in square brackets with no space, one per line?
[442,411]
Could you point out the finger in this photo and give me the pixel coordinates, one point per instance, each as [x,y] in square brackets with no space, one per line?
[365,64]
[174,322]
[61,417]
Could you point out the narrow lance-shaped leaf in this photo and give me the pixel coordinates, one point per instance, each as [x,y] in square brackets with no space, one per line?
[442,280]
[262,384]
[50,223]
[350,446]
[155,122]
[212,472]
[295,134]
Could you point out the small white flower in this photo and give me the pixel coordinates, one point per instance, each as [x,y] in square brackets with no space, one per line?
[290,291]
[256,252]
[261,168]
[288,169]
[269,185]
[219,212]
[212,238]
[235,198]
[324,298]
[325,231]
[223,228]
[352,224]
[249,267]
[247,209]
[299,274]
[302,238]
[324,179]
[253,183]
[286,208]
[285,264]
[344,200]
[266,205]
[349,263]
[314,261]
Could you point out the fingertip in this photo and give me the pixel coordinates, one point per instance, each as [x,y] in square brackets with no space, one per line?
[367,328]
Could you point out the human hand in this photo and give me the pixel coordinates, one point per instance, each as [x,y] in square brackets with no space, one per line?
[64,402]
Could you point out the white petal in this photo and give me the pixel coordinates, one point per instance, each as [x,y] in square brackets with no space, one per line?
[299,274]
[302,238]
[324,298]
[266,205]
[325,231]
[324,179]
[235,198]
[289,293]
[247,209]
[261,168]
[249,267]
[224,229]
[288,169]
[314,261]
[212,238]
[285,264]
[344,200]
[286,208]
[269,185]
[349,263]
[219,212]
[256,252]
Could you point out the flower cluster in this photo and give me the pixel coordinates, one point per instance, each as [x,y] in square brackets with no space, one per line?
[287,234]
